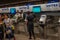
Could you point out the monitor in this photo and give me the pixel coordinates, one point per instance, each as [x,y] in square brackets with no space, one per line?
[12,10]
[36,9]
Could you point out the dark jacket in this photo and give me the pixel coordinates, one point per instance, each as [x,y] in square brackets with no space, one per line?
[1,31]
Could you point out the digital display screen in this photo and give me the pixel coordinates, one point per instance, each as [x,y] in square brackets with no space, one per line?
[36,9]
[12,10]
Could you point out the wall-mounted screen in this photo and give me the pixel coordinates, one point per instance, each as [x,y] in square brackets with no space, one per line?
[36,9]
[12,10]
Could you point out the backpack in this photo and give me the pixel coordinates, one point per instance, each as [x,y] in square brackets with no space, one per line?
[12,27]
[8,30]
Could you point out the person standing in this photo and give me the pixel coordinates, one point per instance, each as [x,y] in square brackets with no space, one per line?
[1,28]
[8,26]
[6,20]
[17,17]
[30,25]
[21,14]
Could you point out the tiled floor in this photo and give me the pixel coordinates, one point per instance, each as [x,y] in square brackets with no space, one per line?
[24,37]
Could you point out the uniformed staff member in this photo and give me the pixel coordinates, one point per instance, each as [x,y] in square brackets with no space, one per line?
[30,25]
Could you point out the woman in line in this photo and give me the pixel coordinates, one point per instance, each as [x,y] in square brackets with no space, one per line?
[9,29]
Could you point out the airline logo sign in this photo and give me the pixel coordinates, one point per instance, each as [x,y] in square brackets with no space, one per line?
[5,10]
[24,8]
[51,7]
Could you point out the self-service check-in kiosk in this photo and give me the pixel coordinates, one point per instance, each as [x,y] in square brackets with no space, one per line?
[42,19]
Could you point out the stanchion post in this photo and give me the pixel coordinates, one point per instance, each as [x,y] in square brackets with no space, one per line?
[59,32]
[45,32]
[4,32]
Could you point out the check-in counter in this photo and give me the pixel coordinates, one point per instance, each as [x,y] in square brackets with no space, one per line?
[23,28]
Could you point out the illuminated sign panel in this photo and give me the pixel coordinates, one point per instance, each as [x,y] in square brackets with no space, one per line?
[12,10]
[36,9]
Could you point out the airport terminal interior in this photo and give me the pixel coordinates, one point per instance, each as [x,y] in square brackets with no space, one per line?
[30,19]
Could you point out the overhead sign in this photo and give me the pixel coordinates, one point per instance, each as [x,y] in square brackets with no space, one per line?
[5,10]
[50,7]
[24,8]
[53,5]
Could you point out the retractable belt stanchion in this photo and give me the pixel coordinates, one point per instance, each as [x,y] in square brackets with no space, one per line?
[59,32]
[59,29]
[4,32]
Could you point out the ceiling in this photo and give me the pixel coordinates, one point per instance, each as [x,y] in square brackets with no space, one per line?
[9,1]
[4,3]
